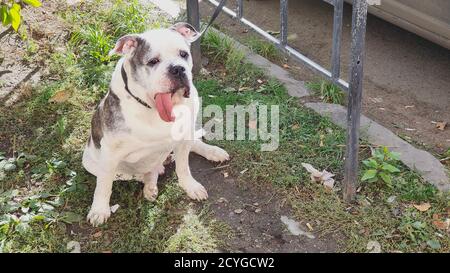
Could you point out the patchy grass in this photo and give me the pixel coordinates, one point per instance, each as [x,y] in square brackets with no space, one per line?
[222,52]
[381,213]
[191,236]
[327,91]
[266,49]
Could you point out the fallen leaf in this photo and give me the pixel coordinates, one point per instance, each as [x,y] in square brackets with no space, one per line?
[324,176]
[255,204]
[225,174]
[273,32]
[238,211]
[373,247]
[230,89]
[441,125]
[444,225]
[243,171]
[309,226]
[259,81]
[222,199]
[423,207]
[376,100]
[97,234]
[106,251]
[244,88]
[257,210]
[409,106]
[315,174]
[60,96]
[286,66]
[295,126]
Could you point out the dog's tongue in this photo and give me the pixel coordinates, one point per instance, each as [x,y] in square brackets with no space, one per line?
[164,106]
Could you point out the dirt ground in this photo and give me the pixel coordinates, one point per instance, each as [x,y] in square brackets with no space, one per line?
[17,70]
[407,78]
[258,227]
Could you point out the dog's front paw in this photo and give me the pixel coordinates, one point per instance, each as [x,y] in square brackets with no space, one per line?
[150,193]
[98,215]
[217,154]
[194,189]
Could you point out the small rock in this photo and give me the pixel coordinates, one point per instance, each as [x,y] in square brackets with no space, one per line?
[373,247]
[257,210]
[74,246]
[391,199]
[238,211]
[114,208]
[396,212]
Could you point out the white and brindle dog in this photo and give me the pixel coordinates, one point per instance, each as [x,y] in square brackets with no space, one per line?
[131,129]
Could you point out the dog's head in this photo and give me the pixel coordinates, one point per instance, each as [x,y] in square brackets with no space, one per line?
[158,64]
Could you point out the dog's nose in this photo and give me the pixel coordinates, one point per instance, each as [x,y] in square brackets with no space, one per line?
[177,70]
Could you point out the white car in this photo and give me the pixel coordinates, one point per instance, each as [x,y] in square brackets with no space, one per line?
[427,18]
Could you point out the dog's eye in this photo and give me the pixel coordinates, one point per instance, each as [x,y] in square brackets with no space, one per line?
[184,54]
[153,62]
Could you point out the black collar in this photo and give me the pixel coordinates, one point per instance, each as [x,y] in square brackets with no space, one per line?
[125,80]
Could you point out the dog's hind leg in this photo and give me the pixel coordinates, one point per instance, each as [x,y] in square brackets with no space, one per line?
[209,152]
[150,185]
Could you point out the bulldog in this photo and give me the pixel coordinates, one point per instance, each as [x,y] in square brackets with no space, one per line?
[133,128]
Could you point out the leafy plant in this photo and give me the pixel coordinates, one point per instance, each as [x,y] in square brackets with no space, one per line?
[95,34]
[20,209]
[327,91]
[10,11]
[381,166]
[12,163]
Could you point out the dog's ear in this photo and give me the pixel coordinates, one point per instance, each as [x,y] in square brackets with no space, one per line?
[125,45]
[187,31]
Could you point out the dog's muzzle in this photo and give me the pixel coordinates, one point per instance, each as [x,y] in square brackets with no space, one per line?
[177,75]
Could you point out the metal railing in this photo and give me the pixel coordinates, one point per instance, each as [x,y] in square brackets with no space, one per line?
[353,87]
